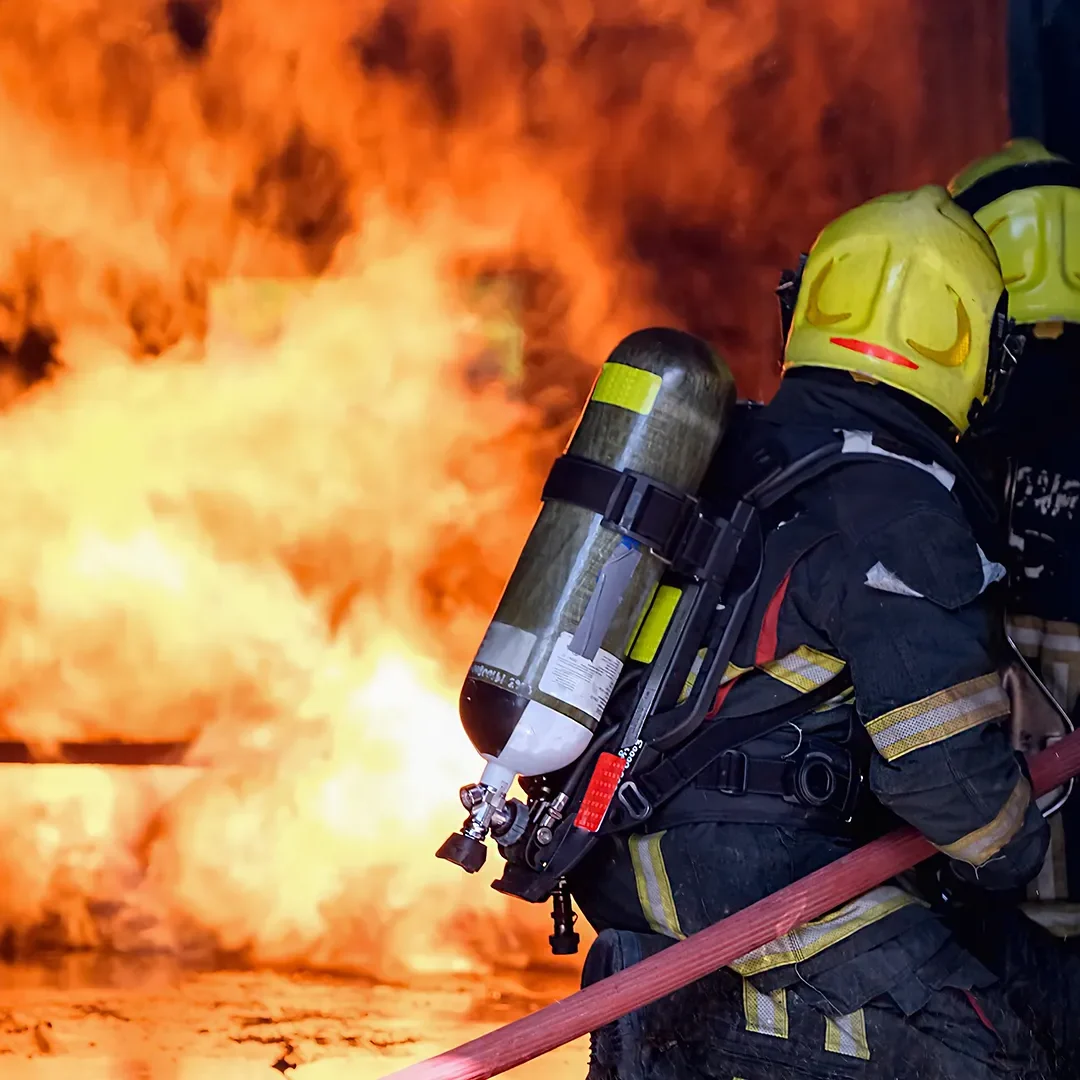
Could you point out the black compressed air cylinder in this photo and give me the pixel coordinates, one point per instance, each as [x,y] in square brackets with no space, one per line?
[534,694]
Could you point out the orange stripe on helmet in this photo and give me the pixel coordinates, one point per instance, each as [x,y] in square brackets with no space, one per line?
[878,352]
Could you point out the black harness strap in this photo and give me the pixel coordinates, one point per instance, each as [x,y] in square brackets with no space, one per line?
[654,785]
[819,777]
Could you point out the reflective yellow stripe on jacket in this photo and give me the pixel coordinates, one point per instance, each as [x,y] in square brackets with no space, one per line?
[984,843]
[847,1035]
[653,886]
[939,716]
[657,901]
[805,669]
[766,1014]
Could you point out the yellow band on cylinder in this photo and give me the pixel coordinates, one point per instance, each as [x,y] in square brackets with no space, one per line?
[627,387]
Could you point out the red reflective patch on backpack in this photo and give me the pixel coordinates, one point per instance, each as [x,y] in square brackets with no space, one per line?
[601,790]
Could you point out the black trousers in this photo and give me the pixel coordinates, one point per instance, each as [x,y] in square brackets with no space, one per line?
[1039,974]
[642,892]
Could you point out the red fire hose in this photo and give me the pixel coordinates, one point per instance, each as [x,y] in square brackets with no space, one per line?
[705,952]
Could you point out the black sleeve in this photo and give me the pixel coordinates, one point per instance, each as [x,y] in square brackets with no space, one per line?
[914,623]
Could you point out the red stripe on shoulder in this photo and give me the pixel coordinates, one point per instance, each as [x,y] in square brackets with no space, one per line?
[766,642]
[718,701]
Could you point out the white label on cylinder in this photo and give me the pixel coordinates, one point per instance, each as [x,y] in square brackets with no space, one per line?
[505,647]
[584,684]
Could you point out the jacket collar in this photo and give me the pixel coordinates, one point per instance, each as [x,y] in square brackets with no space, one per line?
[812,402]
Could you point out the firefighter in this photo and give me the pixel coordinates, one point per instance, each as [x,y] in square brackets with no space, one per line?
[885,568]
[1028,201]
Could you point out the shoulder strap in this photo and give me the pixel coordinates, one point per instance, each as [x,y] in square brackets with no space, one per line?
[799,472]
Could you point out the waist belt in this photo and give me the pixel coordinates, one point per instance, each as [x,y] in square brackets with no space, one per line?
[667,773]
[817,779]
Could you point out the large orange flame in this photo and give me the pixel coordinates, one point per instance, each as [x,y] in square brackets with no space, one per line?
[260,489]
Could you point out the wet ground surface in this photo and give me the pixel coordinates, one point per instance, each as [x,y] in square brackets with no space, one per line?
[100,1019]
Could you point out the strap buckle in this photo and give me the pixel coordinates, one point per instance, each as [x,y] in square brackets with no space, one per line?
[634,803]
[731,772]
[649,512]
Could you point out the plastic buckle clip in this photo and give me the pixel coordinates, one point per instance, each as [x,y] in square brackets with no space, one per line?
[731,770]
[627,500]
[649,512]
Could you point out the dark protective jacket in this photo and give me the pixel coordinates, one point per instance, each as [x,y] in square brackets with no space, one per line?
[1038,432]
[1036,953]
[1038,438]
[875,565]
[722,1027]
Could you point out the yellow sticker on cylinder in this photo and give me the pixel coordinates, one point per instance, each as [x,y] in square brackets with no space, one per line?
[628,387]
[644,612]
[655,625]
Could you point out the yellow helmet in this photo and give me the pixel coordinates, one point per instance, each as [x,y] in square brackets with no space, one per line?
[1028,201]
[904,290]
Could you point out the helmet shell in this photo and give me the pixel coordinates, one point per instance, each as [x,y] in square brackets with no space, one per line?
[903,291]
[1035,230]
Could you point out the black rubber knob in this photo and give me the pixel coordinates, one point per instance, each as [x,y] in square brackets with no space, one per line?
[564,943]
[463,851]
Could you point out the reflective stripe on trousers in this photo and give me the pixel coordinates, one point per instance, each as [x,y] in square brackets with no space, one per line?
[659,908]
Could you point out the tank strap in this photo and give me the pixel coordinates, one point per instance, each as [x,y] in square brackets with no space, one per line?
[631,503]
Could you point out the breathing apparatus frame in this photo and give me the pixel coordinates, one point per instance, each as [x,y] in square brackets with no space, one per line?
[634,765]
